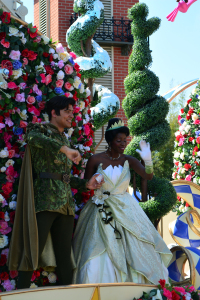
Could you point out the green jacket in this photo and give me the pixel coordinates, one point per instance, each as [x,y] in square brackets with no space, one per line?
[45,142]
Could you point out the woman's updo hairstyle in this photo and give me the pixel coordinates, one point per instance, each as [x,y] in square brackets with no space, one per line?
[111,134]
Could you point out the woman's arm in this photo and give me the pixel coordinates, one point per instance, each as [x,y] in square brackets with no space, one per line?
[136,165]
[91,167]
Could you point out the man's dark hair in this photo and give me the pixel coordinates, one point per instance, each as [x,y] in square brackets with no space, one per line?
[111,134]
[58,103]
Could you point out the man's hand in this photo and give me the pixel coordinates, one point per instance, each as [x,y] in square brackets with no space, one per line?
[92,184]
[72,154]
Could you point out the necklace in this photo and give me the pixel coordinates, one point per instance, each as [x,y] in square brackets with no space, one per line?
[112,157]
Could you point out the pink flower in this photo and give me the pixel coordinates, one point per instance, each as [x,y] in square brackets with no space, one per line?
[76,110]
[25,61]
[5,44]
[60,64]
[9,122]
[23,124]
[33,110]
[34,120]
[167,294]
[68,95]
[191,288]
[181,141]
[37,40]
[2,125]
[59,83]
[42,77]
[59,48]
[20,97]
[4,228]
[13,274]
[73,55]
[68,69]
[15,55]
[48,79]
[12,85]
[188,178]
[69,86]
[11,153]
[53,63]
[8,286]
[74,191]
[86,129]
[78,118]
[22,85]
[30,99]
[180,290]
[197,122]
[36,90]
[80,138]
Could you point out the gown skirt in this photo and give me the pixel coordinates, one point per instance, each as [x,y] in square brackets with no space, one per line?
[126,249]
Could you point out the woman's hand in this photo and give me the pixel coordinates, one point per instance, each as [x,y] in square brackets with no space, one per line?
[72,154]
[145,151]
[93,184]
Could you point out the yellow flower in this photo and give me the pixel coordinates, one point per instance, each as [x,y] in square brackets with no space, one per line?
[63,56]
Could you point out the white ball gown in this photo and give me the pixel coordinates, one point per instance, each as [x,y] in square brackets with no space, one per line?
[127,249]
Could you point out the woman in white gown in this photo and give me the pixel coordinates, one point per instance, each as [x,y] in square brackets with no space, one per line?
[114,240]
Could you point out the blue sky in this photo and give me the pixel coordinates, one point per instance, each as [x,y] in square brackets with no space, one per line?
[175,46]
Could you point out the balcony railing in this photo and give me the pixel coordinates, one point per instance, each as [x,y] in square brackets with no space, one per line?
[113,32]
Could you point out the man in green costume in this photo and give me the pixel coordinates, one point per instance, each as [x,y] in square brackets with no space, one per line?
[44,202]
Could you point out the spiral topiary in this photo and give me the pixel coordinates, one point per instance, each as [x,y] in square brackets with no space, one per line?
[145,110]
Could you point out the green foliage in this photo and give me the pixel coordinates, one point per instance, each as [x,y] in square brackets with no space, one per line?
[104,116]
[145,110]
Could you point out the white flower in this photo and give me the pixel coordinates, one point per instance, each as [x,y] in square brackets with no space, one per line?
[82,105]
[199,181]
[176,154]
[14,196]
[188,296]
[183,132]
[70,131]
[182,170]
[40,69]
[12,205]
[3,169]
[182,201]
[24,40]
[45,39]
[6,217]
[3,241]
[87,148]
[178,177]
[33,285]
[52,277]
[55,56]
[64,56]
[195,117]
[158,296]
[9,163]
[82,89]
[4,153]
[77,82]
[46,117]
[2,199]
[99,197]
[195,180]
[23,114]
[177,133]
[181,207]
[198,153]
[180,164]
[13,31]
[194,141]
[51,50]
[182,155]
[88,93]
[60,75]
[80,147]
[17,73]
[44,273]
[187,128]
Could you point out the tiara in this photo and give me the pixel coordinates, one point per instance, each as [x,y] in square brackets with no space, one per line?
[116,125]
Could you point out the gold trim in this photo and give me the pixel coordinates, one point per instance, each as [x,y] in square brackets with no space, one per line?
[196,216]
[76,286]
[94,291]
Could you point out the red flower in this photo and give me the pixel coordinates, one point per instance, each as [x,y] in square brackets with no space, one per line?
[5,17]
[32,55]
[7,188]
[187,205]
[50,58]
[79,75]
[2,35]
[176,163]
[3,260]
[45,54]
[25,52]
[198,140]
[45,281]
[182,110]
[1,215]
[74,96]
[187,167]
[91,193]
[178,137]
[4,276]
[196,163]
[175,296]
[192,173]
[73,124]
[189,101]
[162,283]
[49,70]
[190,139]
[12,216]
[85,196]
[13,274]
[196,149]
[33,34]
[76,67]
[8,65]
[25,77]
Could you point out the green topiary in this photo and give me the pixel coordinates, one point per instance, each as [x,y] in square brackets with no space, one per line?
[145,110]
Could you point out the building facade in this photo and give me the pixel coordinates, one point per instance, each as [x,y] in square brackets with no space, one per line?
[53,18]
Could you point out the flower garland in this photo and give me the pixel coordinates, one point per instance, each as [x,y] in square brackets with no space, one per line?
[169,292]
[33,70]
[187,145]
